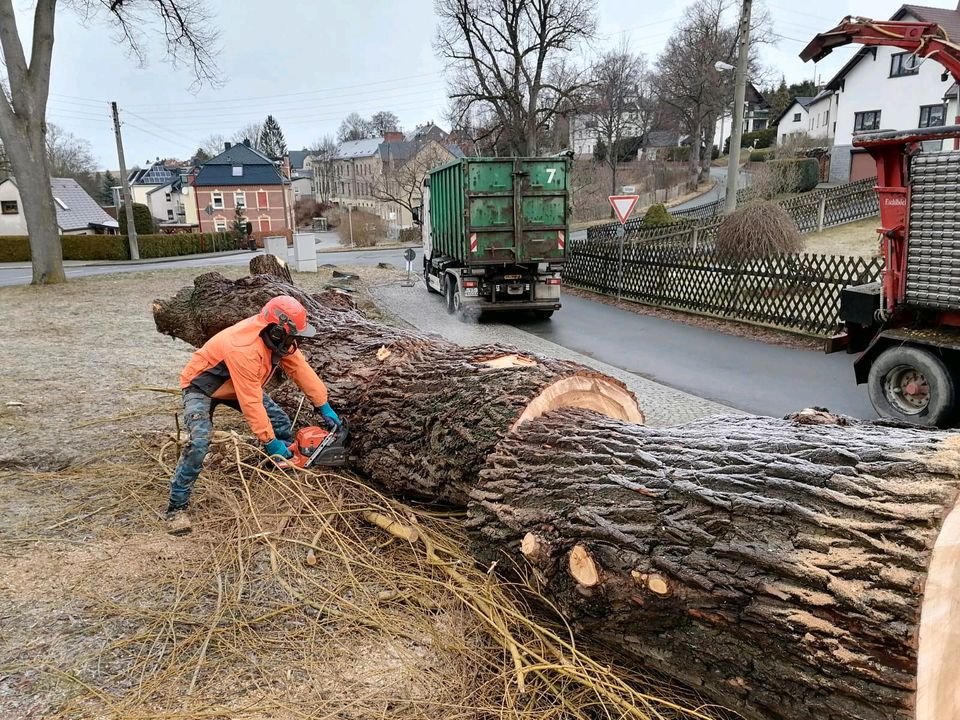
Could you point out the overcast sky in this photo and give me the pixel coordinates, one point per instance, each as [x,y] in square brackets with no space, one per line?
[312,63]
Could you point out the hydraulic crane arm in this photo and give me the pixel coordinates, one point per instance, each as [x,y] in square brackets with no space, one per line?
[924,40]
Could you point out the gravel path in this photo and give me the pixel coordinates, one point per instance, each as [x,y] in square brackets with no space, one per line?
[662,405]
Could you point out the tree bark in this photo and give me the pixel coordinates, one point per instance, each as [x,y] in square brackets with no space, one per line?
[268,264]
[424,412]
[778,568]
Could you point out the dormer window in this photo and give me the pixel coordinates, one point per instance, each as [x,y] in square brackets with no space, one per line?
[238,171]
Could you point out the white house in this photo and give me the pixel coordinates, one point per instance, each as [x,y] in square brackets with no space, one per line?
[793,120]
[756,116]
[884,88]
[77,212]
[821,115]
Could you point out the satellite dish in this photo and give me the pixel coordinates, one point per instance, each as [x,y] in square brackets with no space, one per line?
[208,210]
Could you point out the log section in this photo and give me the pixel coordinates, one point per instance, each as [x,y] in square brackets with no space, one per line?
[424,412]
[778,567]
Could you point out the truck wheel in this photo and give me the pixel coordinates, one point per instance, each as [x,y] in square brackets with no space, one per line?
[543,314]
[913,385]
[462,315]
[451,288]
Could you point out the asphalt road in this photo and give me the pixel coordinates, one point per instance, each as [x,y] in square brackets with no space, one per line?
[741,373]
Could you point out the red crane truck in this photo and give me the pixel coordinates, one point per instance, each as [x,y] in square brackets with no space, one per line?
[906,328]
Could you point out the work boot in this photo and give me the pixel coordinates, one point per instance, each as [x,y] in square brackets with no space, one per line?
[177,521]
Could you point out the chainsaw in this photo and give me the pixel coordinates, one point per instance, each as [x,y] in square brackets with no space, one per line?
[317,446]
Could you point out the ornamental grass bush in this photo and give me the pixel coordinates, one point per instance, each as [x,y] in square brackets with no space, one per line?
[757,230]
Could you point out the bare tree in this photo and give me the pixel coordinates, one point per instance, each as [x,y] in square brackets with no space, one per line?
[619,102]
[188,34]
[213,145]
[507,60]
[320,157]
[354,127]
[383,122]
[251,131]
[402,179]
[69,155]
[687,78]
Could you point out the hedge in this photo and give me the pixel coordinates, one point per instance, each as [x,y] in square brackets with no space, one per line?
[808,172]
[16,248]
[758,139]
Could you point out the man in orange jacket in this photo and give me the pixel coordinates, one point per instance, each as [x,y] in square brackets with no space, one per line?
[231,369]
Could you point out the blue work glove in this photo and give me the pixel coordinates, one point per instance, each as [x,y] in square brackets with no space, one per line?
[332,419]
[277,447]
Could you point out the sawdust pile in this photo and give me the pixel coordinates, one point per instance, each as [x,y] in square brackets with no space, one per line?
[295,596]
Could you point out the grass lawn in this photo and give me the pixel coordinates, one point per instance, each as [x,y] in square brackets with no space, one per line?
[858,238]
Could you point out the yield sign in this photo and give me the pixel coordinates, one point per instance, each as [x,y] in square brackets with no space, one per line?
[623,205]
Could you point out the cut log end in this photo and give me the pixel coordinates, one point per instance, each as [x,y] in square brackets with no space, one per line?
[938,692]
[505,361]
[583,568]
[599,394]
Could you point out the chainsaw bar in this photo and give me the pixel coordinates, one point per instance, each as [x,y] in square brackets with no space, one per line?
[331,451]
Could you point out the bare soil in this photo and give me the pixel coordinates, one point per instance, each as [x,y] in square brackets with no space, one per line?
[858,239]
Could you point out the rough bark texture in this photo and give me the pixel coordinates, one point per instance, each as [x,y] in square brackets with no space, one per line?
[424,412]
[777,566]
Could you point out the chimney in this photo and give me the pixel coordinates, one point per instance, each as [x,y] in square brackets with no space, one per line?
[227,145]
[246,141]
[393,137]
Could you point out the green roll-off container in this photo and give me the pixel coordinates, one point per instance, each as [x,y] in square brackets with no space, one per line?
[500,210]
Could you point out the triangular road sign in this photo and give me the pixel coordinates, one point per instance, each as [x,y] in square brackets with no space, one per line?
[623,205]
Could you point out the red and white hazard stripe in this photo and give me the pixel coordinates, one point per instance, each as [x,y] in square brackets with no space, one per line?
[473,242]
[561,240]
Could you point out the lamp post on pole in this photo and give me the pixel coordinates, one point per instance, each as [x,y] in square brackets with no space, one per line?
[739,93]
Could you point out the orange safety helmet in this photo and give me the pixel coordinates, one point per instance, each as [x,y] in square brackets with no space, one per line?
[290,315]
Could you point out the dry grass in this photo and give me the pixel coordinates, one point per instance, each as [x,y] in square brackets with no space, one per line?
[858,239]
[292,598]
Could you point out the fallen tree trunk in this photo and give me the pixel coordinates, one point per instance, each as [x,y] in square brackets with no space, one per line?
[424,412]
[785,570]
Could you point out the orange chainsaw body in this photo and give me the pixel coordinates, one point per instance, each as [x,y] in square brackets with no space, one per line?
[306,442]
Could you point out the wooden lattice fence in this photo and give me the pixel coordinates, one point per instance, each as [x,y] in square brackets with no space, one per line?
[793,292]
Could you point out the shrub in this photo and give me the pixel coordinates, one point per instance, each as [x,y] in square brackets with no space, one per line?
[157,246]
[797,174]
[14,248]
[757,230]
[305,210]
[759,155]
[678,154]
[367,229]
[657,215]
[95,247]
[410,236]
[143,220]
[333,216]
[758,139]
[715,153]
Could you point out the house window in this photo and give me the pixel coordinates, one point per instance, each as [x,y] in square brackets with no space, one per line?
[932,116]
[240,199]
[216,199]
[169,215]
[903,64]
[261,198]
[869,120]
[220,224]
[9,207]
[237,171]
[759,125]
[796,117]
[167,197]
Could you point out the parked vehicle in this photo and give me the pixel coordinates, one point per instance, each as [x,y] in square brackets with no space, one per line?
[495,232]
[907,326]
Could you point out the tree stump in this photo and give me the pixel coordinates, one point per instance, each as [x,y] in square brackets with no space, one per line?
[784,568]
[268,264]
[424,412]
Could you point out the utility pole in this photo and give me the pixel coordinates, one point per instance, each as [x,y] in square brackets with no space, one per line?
[125,183]
[740,91]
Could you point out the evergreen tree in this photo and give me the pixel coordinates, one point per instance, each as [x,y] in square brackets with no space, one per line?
[239,223]
[105,196]
[272,142]
[199,157]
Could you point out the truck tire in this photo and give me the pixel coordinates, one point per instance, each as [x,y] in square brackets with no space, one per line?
[450,285]
[913,385]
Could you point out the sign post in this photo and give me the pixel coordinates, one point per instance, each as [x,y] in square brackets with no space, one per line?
[409,256]
[622,205]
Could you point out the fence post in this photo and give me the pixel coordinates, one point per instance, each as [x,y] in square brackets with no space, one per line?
[696,236]
[622,234]
[821,212]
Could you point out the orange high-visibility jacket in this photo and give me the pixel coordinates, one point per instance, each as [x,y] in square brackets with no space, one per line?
[236,363]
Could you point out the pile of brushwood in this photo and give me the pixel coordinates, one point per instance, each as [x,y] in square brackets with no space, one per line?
[792,568]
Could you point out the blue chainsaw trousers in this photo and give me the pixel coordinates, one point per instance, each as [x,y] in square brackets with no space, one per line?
[198,419]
